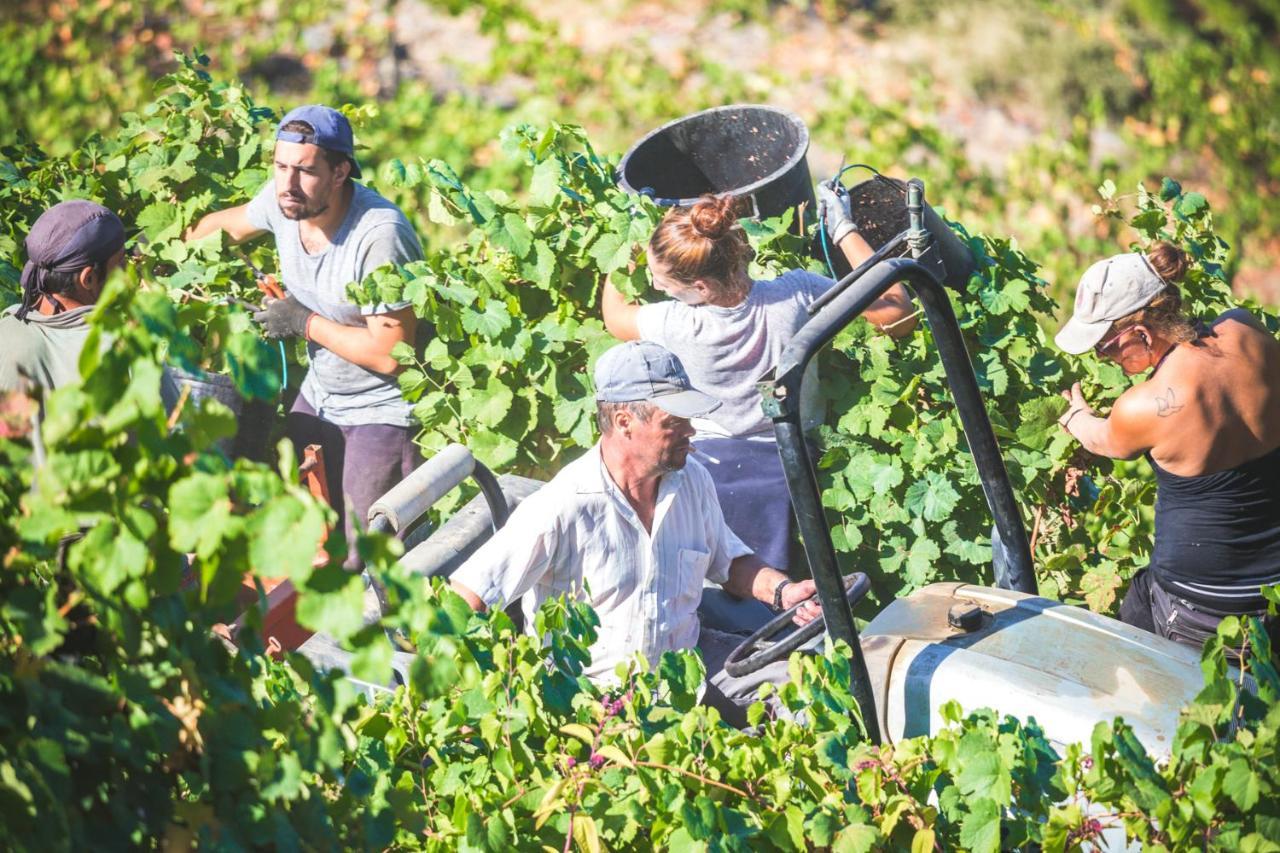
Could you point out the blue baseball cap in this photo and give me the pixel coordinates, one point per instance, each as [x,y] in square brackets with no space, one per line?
[643,371]
[332,131]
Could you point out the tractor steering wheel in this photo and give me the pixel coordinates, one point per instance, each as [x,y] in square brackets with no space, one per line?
[759,650]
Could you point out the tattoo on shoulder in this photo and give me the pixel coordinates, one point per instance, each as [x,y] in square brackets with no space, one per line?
[1167,404]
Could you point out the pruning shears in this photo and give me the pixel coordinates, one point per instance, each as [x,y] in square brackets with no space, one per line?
[241,303]
[266,283]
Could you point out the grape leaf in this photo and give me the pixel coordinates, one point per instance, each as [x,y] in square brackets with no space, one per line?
[487,406]
[286,534]
[932,497]
[1241,784]
[611,252]
[982,773]
[1099,585]
[490,322]
[1038,420]
[980,828]
[199,508]
[544,185]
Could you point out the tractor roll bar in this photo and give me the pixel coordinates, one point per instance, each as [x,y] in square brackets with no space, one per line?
[409,499]
[782,403]
[879,255]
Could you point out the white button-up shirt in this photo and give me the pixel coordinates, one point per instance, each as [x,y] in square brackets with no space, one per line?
[579,535]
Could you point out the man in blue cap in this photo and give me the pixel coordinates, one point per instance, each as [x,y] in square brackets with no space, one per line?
[634,527]
[331,231]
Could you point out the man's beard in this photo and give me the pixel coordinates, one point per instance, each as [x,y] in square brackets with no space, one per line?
[304,211]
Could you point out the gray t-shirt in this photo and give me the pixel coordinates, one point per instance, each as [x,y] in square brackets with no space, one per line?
[726,351]
[44,349]
[374,233]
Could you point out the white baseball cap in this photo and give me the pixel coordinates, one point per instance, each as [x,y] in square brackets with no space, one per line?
[643,370]
[1108,290]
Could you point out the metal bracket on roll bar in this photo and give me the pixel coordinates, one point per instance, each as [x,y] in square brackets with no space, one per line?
[887,250]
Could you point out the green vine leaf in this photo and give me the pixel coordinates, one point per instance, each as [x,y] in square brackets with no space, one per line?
[932,497]
[980,829]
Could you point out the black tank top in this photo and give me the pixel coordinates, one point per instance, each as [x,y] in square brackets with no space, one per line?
[1218,535]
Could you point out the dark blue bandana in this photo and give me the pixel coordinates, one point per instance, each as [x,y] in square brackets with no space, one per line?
[67,237]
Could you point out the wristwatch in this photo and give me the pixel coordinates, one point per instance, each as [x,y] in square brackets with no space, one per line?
[777,594]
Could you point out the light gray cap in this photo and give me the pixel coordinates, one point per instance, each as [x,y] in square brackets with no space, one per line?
[642,370]
[1108,290]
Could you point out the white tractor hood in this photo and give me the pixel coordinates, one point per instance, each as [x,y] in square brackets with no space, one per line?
[1065,666]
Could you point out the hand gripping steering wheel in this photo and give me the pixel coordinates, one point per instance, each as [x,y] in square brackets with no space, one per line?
[760,649]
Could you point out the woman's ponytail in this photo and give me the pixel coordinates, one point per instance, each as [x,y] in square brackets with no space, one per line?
[713,216]
[1163,314]
[704,242]
[1169,262]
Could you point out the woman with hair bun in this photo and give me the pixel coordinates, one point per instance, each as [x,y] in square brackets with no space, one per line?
[729,330]
[1208,421]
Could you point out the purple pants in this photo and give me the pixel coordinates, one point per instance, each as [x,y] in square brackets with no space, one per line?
[361,463]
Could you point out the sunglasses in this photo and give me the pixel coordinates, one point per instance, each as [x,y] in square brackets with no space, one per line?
[1112,341]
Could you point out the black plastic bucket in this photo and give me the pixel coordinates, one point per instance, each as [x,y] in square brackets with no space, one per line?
[879,208]
[254,418]
[751,151]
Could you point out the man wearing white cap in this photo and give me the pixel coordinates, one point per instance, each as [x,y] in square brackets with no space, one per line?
[634,527]
[1208,421]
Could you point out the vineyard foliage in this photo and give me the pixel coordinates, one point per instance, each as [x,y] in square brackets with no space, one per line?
[124,719]
[124,722]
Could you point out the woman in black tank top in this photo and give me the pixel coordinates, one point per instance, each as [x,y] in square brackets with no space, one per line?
[1208,421]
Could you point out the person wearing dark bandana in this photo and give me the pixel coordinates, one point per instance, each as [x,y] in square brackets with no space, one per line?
[71,250]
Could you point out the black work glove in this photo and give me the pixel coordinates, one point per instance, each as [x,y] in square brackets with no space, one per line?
[283,318]
[833,208]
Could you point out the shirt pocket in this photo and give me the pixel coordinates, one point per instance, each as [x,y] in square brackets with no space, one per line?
[687,591]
